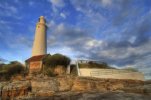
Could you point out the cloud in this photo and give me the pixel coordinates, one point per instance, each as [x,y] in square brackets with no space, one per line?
[119,44]
[8,9]
[57,12]
[57,3]
[63,15]
[106,2]
[124,45]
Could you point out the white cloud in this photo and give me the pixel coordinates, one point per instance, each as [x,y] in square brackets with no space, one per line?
[91,15]
[106,2]
[57,3]
[132,39]
[8,7]
[60,28]
[8,10]
[63,50]
[93,43]
[121,53]
[51,24]
[63,15]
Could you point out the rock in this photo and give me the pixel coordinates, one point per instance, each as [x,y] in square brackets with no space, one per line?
[14,89]
[147,89]
[17,78]
[147,82]
[29,77]
[44,85]
[64,84]
[2,84]
[59,70]
[81,85]
[92,96]
[74,88]
[44,93]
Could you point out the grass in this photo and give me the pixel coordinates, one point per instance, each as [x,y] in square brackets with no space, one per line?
[95,65]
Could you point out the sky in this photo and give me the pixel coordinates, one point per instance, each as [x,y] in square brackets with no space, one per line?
[117,32]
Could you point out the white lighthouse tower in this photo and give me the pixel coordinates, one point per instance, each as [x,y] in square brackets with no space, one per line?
[40,45]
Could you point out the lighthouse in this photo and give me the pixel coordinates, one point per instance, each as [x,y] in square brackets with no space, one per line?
[39,45]
[39,50]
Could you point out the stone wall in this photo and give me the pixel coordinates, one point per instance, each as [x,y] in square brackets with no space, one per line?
[111,73]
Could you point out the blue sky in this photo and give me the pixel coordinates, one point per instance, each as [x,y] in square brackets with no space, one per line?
[114,31]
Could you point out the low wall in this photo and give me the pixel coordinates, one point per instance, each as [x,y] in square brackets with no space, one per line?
[111,73]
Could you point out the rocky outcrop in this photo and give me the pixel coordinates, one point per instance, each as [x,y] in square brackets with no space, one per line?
[59,70]
[9,90]
[69,87]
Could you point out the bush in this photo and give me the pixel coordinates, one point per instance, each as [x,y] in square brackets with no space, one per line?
[46,60]
[52,61]
[56,59]
[49,72]
[15,69]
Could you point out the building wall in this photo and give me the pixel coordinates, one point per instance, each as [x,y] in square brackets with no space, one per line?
[111,73]
[35,66]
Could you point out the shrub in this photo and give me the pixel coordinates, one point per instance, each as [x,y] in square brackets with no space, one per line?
[131,69]
[15,68]
[56,59]
[8,70]
[46,60]
[49,72]
[52,61]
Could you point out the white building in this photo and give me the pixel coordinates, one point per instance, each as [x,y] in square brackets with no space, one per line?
[106,73]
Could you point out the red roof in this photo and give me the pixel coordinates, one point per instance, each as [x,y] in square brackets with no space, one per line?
[35,58]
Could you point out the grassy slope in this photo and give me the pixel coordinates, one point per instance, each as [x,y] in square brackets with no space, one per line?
[95,65]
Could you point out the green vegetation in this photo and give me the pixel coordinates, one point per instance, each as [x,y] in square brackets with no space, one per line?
[73,70]
[51,61]
[95,65]
[131,69]
[13,68]
[56,59]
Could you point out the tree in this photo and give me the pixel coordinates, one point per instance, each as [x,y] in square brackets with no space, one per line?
[56,59]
